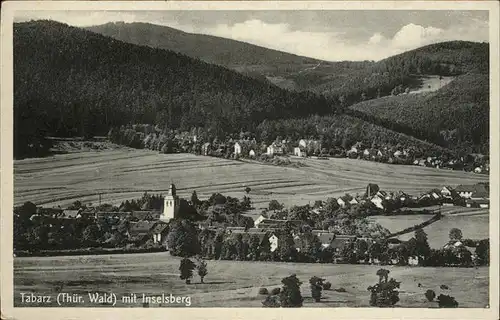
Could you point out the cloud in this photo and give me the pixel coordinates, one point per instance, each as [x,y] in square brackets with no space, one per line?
[412,36]
[328,43]
[376,38]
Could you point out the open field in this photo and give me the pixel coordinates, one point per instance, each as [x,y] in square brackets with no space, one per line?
[472,226]
[232,284]
[126,173]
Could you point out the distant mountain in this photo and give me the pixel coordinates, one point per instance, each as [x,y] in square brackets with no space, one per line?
[70,81]
[346,82]
[208,48]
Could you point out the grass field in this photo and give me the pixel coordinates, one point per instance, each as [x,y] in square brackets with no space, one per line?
[126,173]
[233,284]
[472,226]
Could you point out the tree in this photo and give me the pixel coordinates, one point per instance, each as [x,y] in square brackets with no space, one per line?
[194,199]
[445,301]
[275,205]
[422,248]
[90,235]
[290,294]
[455,234]
[316,287]
[202,268]
[483,252]
[384,293]
[186,268]
[254,251]
[182,239]
[430,295]
[247,190]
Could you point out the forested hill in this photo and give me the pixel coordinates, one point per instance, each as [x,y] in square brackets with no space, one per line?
[208,48]
[70,81]
[379,79]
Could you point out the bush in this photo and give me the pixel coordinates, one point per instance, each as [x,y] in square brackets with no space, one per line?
[275,291]
[271,301]
[446,301]
[430,295]
[340,290]
[263,291]
[327,286]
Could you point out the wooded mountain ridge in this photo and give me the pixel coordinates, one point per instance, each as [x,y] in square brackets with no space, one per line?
[69,81]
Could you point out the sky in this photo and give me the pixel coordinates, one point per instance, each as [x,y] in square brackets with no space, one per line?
[331,35]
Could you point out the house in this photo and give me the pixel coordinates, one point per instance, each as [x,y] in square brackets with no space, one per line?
[70,214]
[48,212]
[237,148]
[206,148]
[311,146]
[141,231]
[299,152]
[278,224]
[324,237]
[478,170]
[435,194]
[258,220]
[477,203]
[378,201]
[275,149]
[383,195]
[340,241]
[447,191]
[398,154]
[146,215]
[159,232]
[273,240]
[251,153]
[467,191]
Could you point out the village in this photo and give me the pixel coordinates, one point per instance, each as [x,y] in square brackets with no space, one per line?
[280,151]
[329,230]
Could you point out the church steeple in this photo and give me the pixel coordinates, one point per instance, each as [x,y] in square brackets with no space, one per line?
[171,204]
[171,190]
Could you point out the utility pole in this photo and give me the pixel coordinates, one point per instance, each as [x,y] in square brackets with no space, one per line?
[99,199]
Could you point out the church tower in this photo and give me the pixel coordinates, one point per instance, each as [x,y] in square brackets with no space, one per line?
[171,204]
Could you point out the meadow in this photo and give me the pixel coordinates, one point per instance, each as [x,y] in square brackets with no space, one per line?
[124,174]
[232,283]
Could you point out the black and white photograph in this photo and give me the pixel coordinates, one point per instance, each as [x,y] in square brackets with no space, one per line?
[244,157]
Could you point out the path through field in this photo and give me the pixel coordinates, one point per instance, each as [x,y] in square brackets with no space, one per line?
[127,173]
[235,284]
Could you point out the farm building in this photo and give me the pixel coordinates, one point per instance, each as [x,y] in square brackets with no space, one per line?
[347,199]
